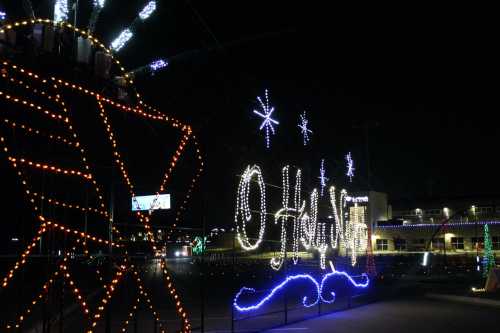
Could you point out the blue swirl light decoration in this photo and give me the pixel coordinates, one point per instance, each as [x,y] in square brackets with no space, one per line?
[318,289]
[275,290]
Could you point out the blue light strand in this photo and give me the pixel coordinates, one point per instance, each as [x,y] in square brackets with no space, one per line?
[348,277]
[3,16]
[431,225]
[307,277]
[275,290]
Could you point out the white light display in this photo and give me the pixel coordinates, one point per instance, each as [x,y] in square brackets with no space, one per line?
[265,113]
[99,3]
[158,64]
[322,177]
[3,16]
[122,39]
[348,234]
[285,214]
[147,10]
[304,129]
[61,10]
[350,166]
[337,231]
[243,213]
[357,232]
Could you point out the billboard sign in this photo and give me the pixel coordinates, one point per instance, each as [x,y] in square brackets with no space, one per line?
[151,202]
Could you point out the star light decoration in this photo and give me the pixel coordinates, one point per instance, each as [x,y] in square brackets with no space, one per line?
[304,129]
[265,113]
[350,166]
[322,177]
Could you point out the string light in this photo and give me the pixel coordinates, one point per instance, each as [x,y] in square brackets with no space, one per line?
[61,10]
[488,258]
[322,177]
[265,113]
[318,290]
[350,166]
[199,245]
[430,225]
[350,234]
[131,314]
[305,300]
[349,278]
[158,64]
[186,325]
[304,129]
[286,213]
[243,213]
[147,10]
[3,16]
[140,110]
[80,32]
[121,40]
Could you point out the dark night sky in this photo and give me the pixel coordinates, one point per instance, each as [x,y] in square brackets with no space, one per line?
[410,71]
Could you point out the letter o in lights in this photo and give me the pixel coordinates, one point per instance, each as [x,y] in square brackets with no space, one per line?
[243,214]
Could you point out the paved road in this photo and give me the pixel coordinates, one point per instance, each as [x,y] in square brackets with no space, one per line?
[400,316]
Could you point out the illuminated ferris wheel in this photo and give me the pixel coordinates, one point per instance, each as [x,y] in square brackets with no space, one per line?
[67,104]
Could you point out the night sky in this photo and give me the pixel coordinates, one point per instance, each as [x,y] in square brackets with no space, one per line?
[412,79]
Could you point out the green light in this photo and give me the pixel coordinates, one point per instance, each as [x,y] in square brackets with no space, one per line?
[200,244]
[488,258]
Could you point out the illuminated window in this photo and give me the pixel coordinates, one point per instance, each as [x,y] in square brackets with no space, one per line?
[382,245]
[457,243]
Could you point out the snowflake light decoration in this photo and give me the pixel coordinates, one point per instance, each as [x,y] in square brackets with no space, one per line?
[322,177]
[266,112]
[304,129]
[350,166]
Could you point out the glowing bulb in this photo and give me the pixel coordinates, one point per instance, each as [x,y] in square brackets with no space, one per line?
[99,3]
[122,39]
[61,10]
[148,10]
[158,64]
